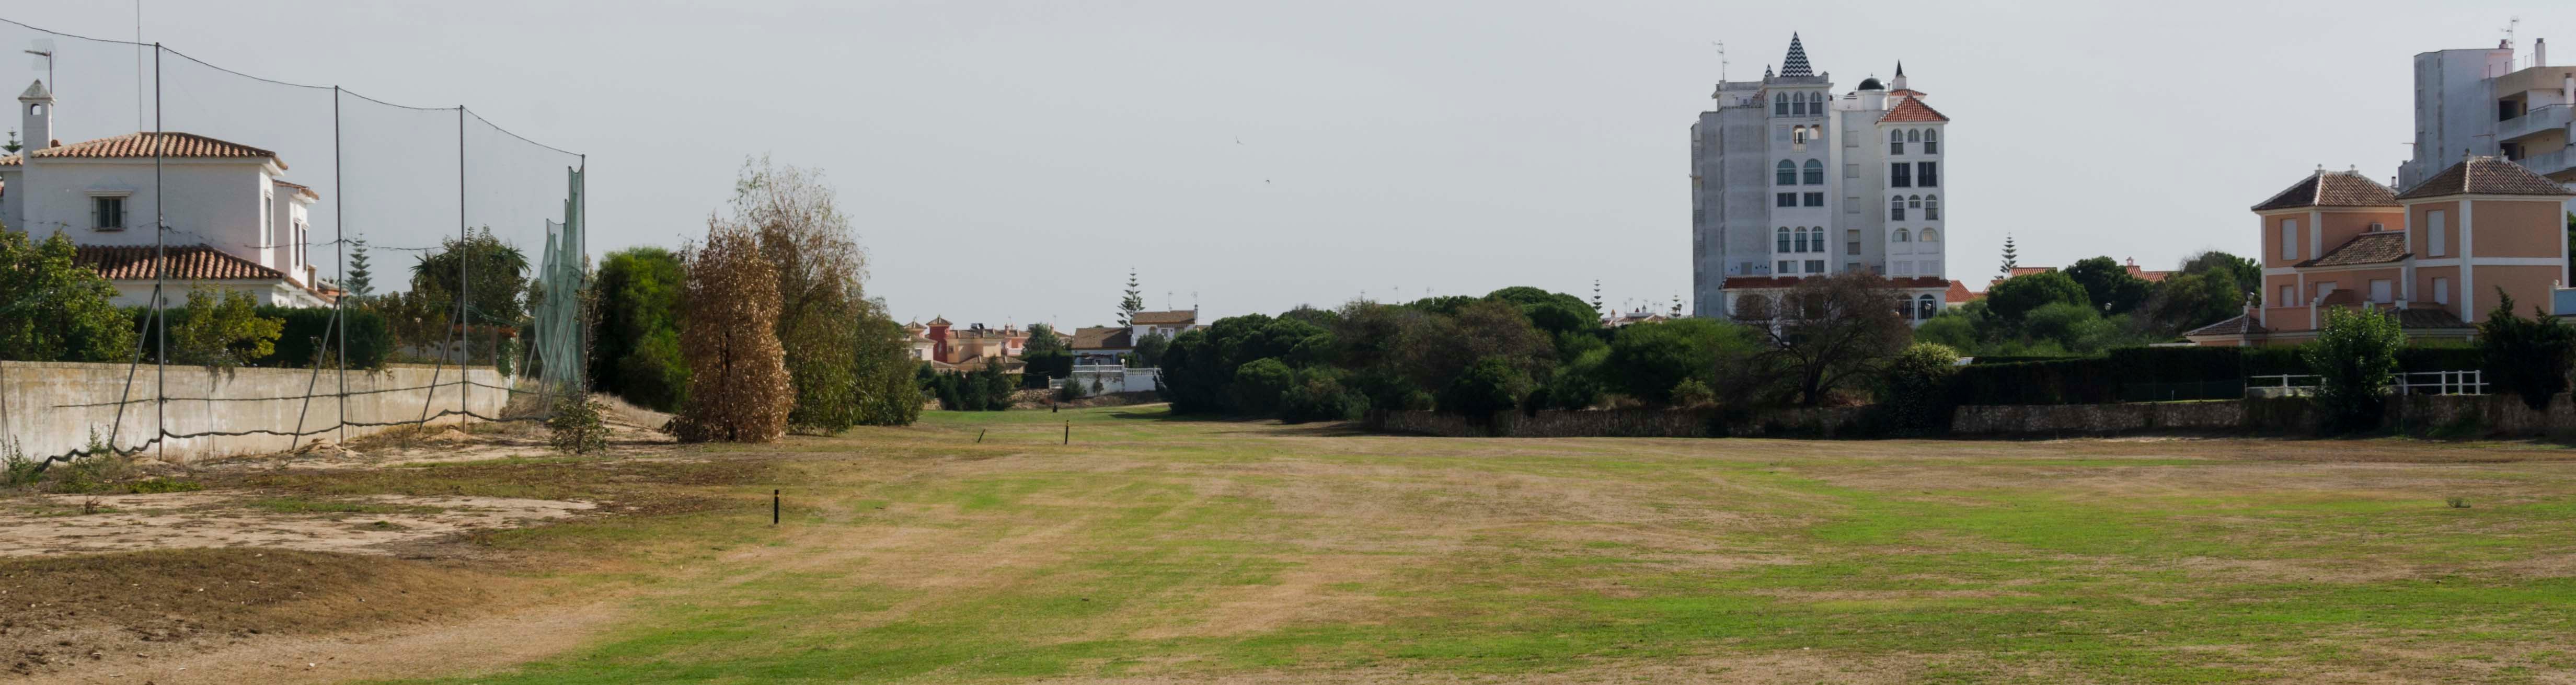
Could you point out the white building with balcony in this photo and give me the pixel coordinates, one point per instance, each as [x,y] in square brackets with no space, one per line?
[1790,179]
[2493,102]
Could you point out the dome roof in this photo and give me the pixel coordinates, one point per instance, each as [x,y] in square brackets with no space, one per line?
[1871,83]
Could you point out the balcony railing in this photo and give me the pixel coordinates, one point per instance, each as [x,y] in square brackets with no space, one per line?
[2549,162]
[2538,120]
[2470,382]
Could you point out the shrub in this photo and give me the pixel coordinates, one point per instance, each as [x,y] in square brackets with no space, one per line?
[576,426]
[2352,356]
[1320,396]
[1914,389]
[1692,393]
[738,390]
[2526,357]
[1491,385]
[222,330]
[1258,386]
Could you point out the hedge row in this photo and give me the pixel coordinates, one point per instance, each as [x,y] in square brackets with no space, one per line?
[369,341]
[2160,373]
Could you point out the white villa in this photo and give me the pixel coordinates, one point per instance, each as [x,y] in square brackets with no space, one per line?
[232,222]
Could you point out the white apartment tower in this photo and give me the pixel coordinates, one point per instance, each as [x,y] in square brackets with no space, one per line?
[1790,179]
[2490,102]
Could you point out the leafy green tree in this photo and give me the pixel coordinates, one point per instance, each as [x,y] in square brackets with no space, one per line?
[54,309]
[1648,360]
[1914,389]
[1047,354]
[2192,300]
[222,330]
[2527,357]
[2108,284]
[2246,274]
[2353,357]
[1259,385]
[496,270]
[1489,386]
[635,352]
[1201,364]
[1148,352]
[2017,296]
[1319,395]
[1553,313]
[1955,328]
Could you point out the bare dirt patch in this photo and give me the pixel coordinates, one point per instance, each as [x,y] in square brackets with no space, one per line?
[58,613]
[374,524]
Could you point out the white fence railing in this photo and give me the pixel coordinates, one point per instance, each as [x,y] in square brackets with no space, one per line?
[2471,382]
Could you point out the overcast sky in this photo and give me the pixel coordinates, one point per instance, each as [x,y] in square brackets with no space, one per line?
[1009,161]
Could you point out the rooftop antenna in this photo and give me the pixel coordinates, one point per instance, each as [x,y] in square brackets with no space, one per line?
[2509,26]
[44,52]
[1721,59]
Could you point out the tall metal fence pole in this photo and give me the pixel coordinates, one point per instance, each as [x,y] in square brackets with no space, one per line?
[340,261]
[464,281]
[160,266]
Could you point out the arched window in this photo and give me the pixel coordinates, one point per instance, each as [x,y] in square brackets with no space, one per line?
[1903,237]
[1925,307]
[1931,236]
[1787,174]
[1913,135]
[1780,107]
[1931,141]
[1815,173]
[1932,207]
[1784,239]
[1895,142]
[1819,238]
[1913,202]
[1802,240]
[1896,208]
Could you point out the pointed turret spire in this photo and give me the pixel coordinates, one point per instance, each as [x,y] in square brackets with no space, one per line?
[1899,81]
[1796,63]
[1766,72]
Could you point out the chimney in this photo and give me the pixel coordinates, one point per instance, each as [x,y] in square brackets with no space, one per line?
[2539,52]
[36,112]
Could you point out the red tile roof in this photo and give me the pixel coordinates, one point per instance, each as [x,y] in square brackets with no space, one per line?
[1176,316]
[145,144]
[186,263]
[300,188]
[2379,247]
[1103,338]
[2485,176]
[1959,293]
[2331,189]
[1911,110]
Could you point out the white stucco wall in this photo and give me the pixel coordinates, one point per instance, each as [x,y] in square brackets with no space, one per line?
[55,407]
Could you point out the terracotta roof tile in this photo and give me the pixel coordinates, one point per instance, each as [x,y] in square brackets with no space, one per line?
[1177,316]
[2429,317]
[169,143]
[1103,338]
[2379,247]
[2331,189]
[1959,293]
[1911,109]
[2485,176]
[187,263]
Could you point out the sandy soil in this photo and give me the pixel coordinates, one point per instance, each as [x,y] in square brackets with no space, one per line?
[54,524]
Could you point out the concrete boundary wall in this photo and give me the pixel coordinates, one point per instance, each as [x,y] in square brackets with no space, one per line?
[55,407]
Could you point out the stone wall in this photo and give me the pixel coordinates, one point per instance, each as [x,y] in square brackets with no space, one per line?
[53,408]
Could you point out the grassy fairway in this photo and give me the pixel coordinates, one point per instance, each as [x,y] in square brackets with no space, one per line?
[1155,549]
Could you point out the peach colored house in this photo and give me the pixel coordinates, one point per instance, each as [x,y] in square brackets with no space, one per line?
[2435,255]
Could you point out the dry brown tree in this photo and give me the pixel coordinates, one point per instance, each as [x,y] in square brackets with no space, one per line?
[738,389]
[835,337]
